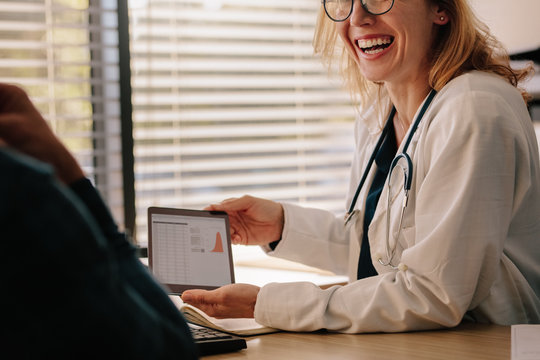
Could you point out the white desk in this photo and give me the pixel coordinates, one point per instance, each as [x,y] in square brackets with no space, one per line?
[250,273]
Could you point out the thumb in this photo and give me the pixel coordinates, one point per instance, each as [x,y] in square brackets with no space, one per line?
[195,296]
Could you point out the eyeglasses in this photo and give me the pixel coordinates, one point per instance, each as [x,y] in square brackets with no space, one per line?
[340,10]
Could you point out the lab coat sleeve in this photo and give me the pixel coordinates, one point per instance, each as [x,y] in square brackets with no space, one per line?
[313,237]
[466,194]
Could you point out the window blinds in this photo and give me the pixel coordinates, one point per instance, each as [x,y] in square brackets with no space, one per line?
[64,53]
[229,100]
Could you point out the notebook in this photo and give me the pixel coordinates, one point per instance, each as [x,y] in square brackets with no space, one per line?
[191,249]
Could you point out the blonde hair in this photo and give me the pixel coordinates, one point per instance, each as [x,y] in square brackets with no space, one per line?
[463,44]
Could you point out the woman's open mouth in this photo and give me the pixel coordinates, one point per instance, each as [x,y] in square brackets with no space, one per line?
[375,45]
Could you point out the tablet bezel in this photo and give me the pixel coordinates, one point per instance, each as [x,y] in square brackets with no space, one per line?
[178,288]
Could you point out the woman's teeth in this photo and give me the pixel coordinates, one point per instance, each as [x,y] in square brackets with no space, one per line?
[374,46]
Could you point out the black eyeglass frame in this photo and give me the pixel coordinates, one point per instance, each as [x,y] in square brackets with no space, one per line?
[352,7]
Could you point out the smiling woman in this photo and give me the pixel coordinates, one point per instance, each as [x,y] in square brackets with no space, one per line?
[470,42]
[444,139]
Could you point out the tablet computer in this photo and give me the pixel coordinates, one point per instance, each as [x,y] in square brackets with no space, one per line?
[189,249]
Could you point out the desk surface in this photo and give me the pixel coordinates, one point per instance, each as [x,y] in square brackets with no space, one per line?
[467,341]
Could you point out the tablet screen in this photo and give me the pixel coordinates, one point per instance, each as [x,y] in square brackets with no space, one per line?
[189,249]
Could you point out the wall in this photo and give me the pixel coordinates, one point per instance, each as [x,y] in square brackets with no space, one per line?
[514,22]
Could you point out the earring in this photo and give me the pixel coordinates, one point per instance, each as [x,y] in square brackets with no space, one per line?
[442,18]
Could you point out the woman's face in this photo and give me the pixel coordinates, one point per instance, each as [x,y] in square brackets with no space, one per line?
[393,47]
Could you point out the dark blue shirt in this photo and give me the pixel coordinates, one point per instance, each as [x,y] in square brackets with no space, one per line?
[72,286]
[383,159]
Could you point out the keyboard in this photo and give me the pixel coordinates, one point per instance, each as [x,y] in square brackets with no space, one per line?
[210,341]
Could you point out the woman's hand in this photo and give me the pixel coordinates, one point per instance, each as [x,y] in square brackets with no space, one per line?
[229,301]
[253,221]
[23,128]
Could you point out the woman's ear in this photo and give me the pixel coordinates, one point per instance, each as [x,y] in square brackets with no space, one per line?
[440,16]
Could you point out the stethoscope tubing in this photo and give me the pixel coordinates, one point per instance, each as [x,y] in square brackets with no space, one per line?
[371,160]
[386,128]
[407,175]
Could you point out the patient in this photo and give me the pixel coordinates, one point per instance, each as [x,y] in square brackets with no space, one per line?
[71,283]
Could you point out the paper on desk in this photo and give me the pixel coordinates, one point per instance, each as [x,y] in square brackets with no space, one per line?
[525,342]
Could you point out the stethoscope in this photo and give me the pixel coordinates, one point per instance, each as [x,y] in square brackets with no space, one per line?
[402,161]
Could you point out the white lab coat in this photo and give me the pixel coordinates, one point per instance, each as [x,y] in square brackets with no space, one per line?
[470,240]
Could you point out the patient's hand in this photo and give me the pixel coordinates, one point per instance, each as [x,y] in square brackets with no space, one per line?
[23,128]
[229,301]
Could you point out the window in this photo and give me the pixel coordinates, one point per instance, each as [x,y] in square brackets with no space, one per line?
[64,53]
[228,99]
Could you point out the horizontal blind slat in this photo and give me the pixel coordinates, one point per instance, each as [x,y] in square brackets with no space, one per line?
[65,55]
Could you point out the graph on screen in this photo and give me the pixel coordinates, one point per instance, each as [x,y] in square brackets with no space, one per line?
[218,247]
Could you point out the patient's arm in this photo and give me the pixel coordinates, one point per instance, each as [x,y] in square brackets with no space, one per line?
[23,128]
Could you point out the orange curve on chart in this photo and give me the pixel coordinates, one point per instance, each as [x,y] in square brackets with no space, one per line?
[219,244]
